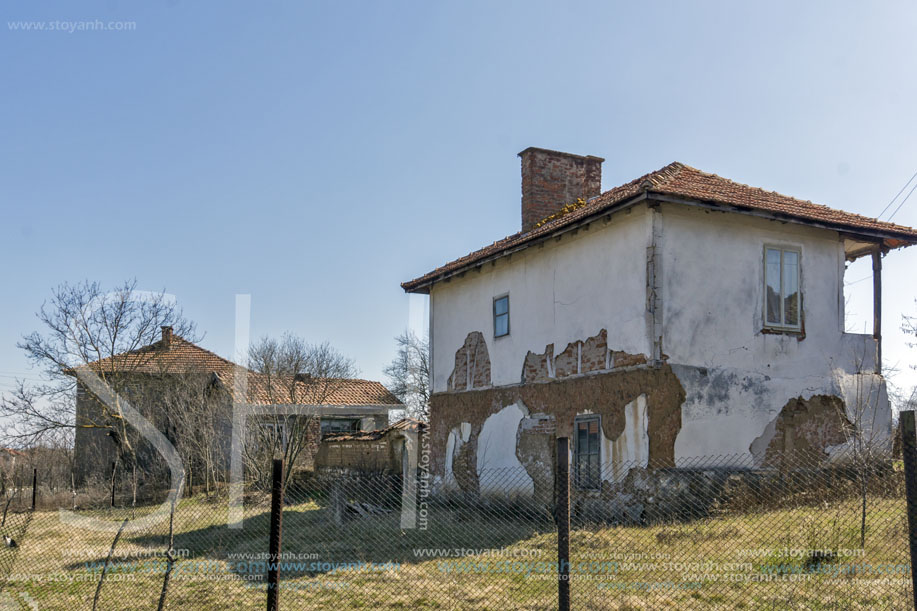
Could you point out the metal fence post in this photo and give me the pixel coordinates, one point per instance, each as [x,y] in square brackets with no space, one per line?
[563,523]
[113,465]
[273,572]
[909,456]
[34,486]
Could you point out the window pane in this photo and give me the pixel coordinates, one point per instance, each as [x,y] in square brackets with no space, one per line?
[587,453]
[772,285]
[501,325]
[791,287]
[501,305]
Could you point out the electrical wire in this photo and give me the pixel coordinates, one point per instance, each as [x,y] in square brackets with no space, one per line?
[898,194]
[902,203]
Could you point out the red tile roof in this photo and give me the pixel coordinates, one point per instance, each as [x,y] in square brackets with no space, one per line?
[274,390]
[681,181]
[182,356]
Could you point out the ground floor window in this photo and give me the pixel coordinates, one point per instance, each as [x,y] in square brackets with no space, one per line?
[587,452]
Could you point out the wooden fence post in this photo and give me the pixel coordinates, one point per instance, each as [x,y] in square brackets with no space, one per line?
[909,456]
[273,569]
[563,523]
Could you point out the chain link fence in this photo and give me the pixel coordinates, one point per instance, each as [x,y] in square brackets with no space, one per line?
[799,532]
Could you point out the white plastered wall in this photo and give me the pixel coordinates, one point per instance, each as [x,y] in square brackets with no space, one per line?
[561,292]
[736,377]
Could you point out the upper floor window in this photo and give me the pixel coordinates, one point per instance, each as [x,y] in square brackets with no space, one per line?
[501,316]
[783,302]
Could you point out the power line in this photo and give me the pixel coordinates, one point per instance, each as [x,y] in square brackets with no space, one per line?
[898,194]
[902,202]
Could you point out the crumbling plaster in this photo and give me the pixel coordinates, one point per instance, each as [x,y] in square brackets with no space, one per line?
[560,292]
[724,383]
[728,409]
[640,409]
[737,378]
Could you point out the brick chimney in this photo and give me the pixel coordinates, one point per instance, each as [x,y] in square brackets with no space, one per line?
[166,336]
[551,180]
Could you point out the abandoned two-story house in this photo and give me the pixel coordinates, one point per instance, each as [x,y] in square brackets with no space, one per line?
[678,316]
[175,374]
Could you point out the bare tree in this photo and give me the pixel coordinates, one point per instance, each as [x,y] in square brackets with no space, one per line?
[85,326]
[198,422]
[299,378]
[409,374]
[909,326]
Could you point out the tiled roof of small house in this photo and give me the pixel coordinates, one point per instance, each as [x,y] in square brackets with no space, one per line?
[182,356]
[681,181]
[274,390]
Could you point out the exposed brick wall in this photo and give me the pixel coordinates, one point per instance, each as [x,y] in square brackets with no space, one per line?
[560,401]
[540,423]
[536,366]
[567,362]
[804,428]
[551,179]
[595,353]
[581,356]
[623,359]
[472,364]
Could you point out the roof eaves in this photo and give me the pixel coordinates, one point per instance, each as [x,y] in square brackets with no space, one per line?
[544,233]
[785,217]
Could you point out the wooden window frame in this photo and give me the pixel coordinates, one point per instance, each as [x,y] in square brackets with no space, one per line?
[578,453]
[782,325]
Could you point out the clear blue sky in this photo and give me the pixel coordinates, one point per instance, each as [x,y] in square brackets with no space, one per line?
[316,154]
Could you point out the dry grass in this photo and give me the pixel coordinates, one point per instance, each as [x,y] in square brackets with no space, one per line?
[613,567]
